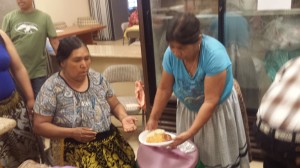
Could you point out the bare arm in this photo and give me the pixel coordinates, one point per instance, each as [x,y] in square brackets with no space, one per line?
[213,89]
[42,125]
[19,72]
[118,110]
[54,43]
[163,94]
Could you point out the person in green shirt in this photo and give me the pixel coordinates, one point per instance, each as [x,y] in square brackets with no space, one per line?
[29,28]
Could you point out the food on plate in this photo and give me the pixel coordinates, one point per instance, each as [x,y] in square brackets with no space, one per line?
[158,135]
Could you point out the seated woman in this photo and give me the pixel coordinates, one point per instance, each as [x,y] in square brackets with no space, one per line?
[133,18]
[76,104]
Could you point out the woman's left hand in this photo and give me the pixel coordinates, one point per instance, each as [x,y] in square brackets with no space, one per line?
[179,139]
[129,123]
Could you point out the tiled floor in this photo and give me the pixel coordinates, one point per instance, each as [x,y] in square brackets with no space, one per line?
[132,138]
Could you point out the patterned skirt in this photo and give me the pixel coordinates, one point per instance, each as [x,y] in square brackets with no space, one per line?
[221,141]
[108,150]
[19,144]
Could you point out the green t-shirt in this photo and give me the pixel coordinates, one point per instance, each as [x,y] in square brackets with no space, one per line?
[29,31]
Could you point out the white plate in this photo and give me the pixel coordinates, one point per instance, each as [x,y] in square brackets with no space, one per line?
[142,139]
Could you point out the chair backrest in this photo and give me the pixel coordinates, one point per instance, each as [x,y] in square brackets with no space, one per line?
[122,73]
[60,25]
[86,21]
[124,25]
[123,78]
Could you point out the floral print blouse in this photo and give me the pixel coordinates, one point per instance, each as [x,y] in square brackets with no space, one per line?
[70,108]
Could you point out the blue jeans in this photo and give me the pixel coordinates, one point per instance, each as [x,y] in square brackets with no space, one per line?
[37,83]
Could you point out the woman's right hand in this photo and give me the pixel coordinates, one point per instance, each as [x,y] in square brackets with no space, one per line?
[151,124]
[29,106]
[83,134]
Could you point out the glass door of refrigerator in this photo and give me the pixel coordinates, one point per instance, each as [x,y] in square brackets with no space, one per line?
[163,10]
[156,17]
[259,42]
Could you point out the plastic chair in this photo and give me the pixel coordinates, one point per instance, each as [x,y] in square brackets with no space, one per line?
[60,25]
[124,26]
[86,21]
[54,154]
[123,73]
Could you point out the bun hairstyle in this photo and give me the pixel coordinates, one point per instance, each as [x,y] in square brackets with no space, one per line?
[66,46]
[184,28]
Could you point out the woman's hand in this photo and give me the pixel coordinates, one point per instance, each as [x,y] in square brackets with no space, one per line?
[83,134]
[180,139]
[152,124]
[129,123]
[29,106]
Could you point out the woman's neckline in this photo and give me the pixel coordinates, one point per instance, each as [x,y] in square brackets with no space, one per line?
[191,72]
[74,89]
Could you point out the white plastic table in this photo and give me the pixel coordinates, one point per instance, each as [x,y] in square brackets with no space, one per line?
[6,125]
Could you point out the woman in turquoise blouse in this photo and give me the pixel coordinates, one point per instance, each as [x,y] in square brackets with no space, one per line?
[197,69]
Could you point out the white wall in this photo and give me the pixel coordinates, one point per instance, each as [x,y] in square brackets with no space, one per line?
[5,7]
[64,10]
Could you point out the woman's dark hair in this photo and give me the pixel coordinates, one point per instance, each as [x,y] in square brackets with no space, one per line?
[184,28]
[66,46]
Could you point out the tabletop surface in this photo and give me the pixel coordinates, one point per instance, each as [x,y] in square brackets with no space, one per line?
[76,30]
[6,124]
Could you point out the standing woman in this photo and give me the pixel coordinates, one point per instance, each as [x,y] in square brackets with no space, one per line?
[76,104]
[197,69]
[19,144]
